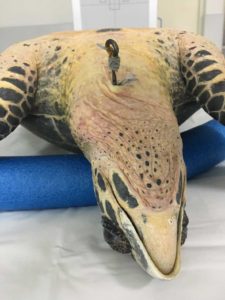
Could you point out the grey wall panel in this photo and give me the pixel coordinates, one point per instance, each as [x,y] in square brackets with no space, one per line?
[10,35]
[213,28]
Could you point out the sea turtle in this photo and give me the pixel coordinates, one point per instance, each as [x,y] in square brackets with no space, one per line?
[59,87]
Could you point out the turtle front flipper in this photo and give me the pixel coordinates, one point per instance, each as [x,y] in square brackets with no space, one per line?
[18,77]
[203,70]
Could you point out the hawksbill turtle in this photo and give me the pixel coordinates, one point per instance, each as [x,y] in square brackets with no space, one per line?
[59,87]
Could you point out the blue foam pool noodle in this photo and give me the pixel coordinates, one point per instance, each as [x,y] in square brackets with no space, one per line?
[61,181]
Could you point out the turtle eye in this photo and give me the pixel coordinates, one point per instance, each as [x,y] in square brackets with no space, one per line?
[184,228]
[114,236]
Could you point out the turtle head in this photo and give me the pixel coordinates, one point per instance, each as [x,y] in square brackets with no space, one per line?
[140,184]
[135,149]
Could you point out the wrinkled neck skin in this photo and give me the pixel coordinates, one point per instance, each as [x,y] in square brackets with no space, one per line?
[130,136]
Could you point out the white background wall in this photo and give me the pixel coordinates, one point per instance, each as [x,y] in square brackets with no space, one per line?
[214,21]
[214,6]
[182,14]
[34,12]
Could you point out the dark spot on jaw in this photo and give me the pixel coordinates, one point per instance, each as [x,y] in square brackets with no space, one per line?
[160,41]
[123,191]
[26,64]
[10,95]
[16,82]
[110,211]
[30,78]
[114,236]
[184,228]
[157,32]
[101,182]
[141,175]
[99,201]
[17,70]
[147,153]
[26,45]
[138,156]
[148,185]
[180,188]
[58,48]
[32,72]
[121,134]
[192,48]
[147,163]
[136,249]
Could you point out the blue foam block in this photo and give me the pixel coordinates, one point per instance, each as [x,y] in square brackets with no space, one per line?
[203,147]
[60,181]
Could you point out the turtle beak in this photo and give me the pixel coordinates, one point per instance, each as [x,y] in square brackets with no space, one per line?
[153,237]
[157,248]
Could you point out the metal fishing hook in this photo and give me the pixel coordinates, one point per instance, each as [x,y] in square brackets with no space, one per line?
[112,49]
